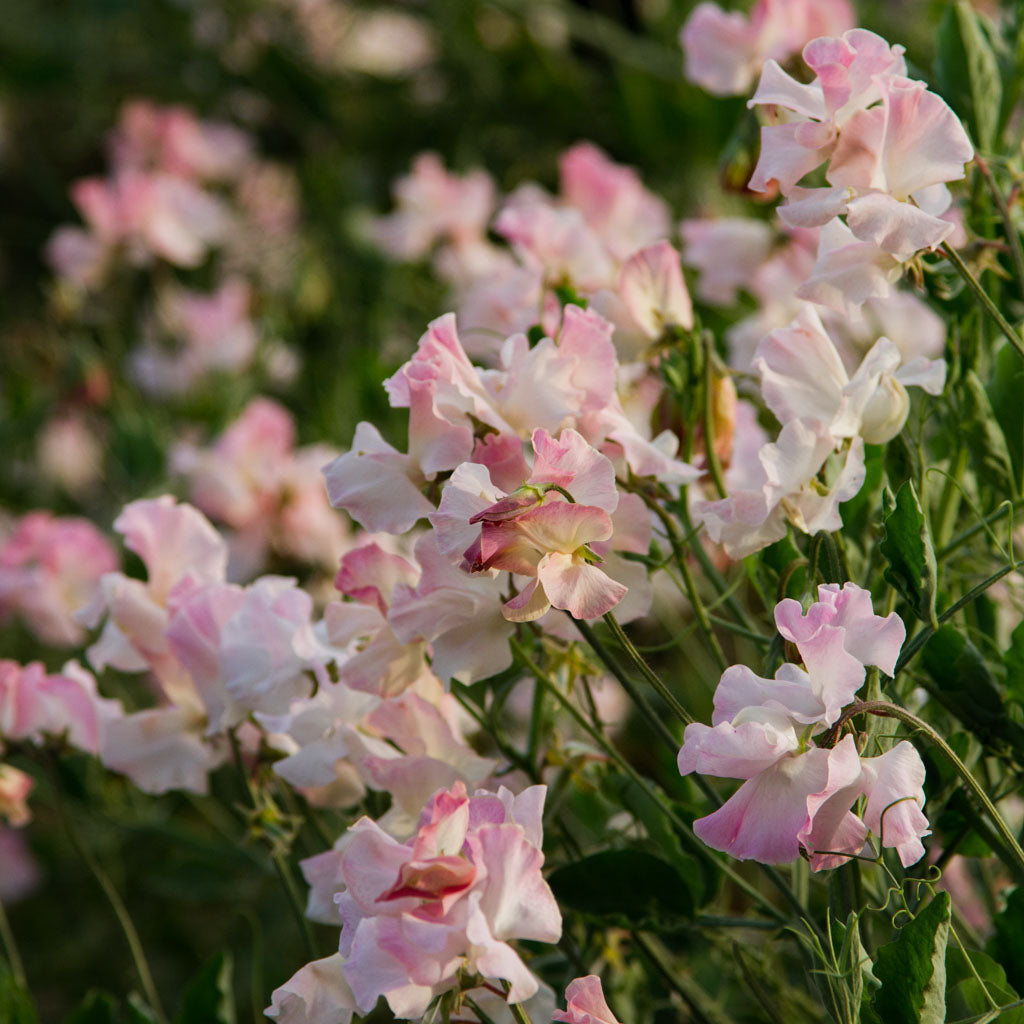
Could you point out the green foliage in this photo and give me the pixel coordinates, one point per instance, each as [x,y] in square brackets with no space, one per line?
[967,687]
[990,455]
[974,981]
[1004,393]
[968,71]
[16,1006]
[908,550]
[627,888]
[209,998]
[912,969]
[1007,944]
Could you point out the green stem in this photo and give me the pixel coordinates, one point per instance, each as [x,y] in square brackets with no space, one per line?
[1012,234]
[679,553]
[277,856]
[11,949]
[653,794]
[925,633]
[887,710]
[646,671]
[662,730]
[984,298]
[117,904]
[673,979]
[1006,507]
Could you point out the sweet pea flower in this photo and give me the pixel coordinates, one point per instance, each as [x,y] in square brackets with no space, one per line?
[848,70]
[797,796]
[416,915]
[177,544]
[651,285]
[433,205]
[802,376]
[783,487]
[726,50]
[612,199]
[585,1003]
[34,704]
[891,145]
[254,479]
[459,615]
[50,568]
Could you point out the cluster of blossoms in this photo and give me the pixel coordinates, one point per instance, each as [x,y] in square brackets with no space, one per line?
[270,494]
[725,50]
[184,192]
[890,146]
[797,797]
[603,237]
[419,918]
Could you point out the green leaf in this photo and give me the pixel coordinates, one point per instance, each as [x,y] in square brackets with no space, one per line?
[1013,659]
[626,888]
[16,1006]
[96,1008]
[912,969]
[965,996]
[1007,944]
[1004,390]
[209,998]
[967,688]
[907,547]
[702,877]
[990,455]
[967,71]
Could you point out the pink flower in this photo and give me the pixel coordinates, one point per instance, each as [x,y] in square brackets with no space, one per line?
[725,51]
[727,252]
[49,569]
[651,285]
[891,145]
[585,1003]
[435,205]
[177,544]
[65,703]
[612,199]
[802,375]
[450,899]
[459,615]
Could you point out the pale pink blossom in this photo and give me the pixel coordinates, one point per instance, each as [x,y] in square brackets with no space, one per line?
[34,704]
[434,205]
[177,545]
[173,140]
[316,994]
[450,899]
[50,568]
[726,50]
[272,494]
[784,488]
[727,253]
[894,785]
[891,145]
[211,332]
[652,287]
[612,199]
[376,484]
[585,1003]
[71,453]
[459,615]
[802,375]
